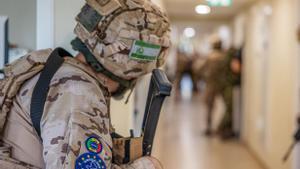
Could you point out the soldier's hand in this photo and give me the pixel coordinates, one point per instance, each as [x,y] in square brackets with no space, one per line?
[157,164]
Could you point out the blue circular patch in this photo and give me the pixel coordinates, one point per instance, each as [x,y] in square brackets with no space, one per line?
[89,161]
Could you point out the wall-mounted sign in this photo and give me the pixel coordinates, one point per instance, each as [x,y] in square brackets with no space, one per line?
[219,2]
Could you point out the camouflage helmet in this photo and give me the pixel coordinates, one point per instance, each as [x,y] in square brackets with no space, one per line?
[128,38]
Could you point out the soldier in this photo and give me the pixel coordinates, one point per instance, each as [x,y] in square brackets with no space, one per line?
[232,78]
[185,67]
[118,41]
[221,73]
[212,73]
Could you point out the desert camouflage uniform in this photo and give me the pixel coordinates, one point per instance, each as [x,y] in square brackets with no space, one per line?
[77,106]
[76,109]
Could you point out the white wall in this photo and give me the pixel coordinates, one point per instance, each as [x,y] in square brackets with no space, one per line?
[269,112]
[283,73]
[65,12]
[296,154]
[45,22]
[22,23]
[239,30]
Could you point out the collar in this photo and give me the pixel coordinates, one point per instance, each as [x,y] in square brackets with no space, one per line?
[86,68]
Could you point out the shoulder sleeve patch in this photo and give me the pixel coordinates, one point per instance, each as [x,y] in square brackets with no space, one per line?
[89,161]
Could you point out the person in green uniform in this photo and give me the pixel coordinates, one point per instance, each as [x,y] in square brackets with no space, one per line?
[220,79]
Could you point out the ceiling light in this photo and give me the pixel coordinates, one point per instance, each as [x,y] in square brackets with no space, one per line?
[219,2]
[268,10]
[202,9]
[189,32]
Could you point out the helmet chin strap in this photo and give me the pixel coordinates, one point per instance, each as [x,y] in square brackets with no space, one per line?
[119,94]
[124,86]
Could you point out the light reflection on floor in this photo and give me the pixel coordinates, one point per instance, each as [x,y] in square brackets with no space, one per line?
[180,144]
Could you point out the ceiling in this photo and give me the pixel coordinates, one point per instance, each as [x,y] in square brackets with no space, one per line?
[184,10]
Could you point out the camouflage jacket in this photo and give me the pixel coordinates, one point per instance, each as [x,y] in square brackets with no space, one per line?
[75,127]
[216,70]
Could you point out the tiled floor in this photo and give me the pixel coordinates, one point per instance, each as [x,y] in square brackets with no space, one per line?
[180,144]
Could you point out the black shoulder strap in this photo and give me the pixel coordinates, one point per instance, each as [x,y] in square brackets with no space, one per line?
[41,88]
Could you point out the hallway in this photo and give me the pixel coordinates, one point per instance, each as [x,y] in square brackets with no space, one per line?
[254,44]
[180,144]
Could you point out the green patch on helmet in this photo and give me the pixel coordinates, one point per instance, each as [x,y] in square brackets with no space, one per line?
[144,51]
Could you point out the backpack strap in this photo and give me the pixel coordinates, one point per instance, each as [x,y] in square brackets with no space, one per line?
[41,88]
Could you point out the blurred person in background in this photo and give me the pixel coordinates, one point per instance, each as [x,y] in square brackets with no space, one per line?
[232,70]
[220,72]
[213,75]
[197,66]
[184,67]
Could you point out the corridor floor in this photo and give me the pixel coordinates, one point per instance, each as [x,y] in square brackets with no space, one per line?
[180,144]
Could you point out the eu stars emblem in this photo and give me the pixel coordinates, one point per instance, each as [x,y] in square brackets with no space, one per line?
[90,161]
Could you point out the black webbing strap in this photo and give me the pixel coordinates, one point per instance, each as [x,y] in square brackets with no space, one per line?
[41,88]
[127,151]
